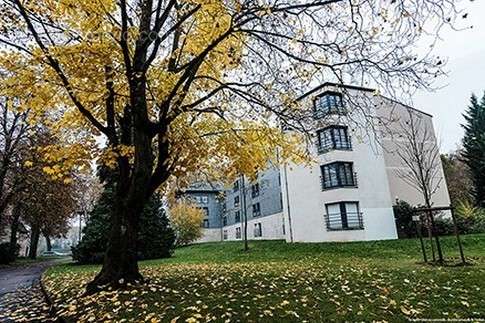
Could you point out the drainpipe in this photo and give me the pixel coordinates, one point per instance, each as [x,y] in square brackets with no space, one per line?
[288,203]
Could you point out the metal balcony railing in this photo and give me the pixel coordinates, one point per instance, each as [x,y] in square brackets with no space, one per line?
[340,182]
[324,148]
[346,221]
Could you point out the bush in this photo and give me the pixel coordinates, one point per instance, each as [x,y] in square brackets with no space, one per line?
[155,237]
[6,254]
[403,214]
[186,219]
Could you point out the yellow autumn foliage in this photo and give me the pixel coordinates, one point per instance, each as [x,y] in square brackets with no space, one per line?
[186,220]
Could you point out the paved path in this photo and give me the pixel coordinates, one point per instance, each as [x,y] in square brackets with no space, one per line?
[21,299]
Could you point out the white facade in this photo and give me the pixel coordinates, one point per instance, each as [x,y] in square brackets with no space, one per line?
[347,192]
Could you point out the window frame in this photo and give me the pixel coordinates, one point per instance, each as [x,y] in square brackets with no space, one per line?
[204,221]
[331,108]
[344,141]
[255,190]
[347,223]
[331,173]
[259,229]
[256,210]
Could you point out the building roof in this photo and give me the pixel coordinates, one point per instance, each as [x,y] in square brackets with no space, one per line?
[204,187]
[358,88]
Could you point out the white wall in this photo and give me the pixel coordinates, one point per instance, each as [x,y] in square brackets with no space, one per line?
[210,235]
[307,201]
[272,228]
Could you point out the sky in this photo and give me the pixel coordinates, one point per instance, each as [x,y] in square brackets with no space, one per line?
[465,51]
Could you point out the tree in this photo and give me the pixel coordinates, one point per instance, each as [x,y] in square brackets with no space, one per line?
[182,87]
[13,134]
[457,177]
[418,151]
[155,237]
[45,203]
[186,220]
[474,147]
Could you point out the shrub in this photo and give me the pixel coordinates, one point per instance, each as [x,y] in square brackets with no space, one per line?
[186,220]
[6,254]
[403,213]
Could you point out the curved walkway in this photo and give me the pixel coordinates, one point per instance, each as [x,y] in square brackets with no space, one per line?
[21,298]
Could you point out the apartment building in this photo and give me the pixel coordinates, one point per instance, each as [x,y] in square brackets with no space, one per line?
[347,192]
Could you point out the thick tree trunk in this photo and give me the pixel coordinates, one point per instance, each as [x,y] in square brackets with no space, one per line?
[34,242]
[120,264]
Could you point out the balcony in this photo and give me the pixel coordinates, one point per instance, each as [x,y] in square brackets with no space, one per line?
[344,222]
[339,182]
[325,148]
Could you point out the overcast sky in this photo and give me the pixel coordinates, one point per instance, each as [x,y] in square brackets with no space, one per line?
[465,51]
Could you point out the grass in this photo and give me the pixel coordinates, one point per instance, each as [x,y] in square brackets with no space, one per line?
[275,281]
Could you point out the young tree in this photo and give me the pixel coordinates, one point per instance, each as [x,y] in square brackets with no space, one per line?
[186,220]
[418,150]
[474,147]
[178,87]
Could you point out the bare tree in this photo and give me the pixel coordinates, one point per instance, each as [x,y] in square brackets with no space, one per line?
[418,150]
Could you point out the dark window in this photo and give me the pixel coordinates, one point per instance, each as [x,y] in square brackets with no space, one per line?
[205,224]
[224,234]
[224,220]
[329,103]
[238,233]
[237,216]
[338,174]
[343,216]
[236,201]
[235,188]
[255,190]
[256,209]
[258,232]
[281,200]
[335,137]
[206,211]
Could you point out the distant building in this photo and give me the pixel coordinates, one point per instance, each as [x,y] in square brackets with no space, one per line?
[348,192]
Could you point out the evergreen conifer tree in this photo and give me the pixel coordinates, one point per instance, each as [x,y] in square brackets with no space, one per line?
[155,236]
[474,147]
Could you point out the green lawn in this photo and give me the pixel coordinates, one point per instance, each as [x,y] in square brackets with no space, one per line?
[275,281]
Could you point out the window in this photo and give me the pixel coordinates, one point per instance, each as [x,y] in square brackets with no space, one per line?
[238,233]
[281,200]
[206,211]
[255,190]
[338,174]
[256,209]
[224,220]
[236,201]
[328,103]
[224,234]
[258,232]
[204,199]
[237,216]
[205,224]
[343,216]
[235,187]
[335,137]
